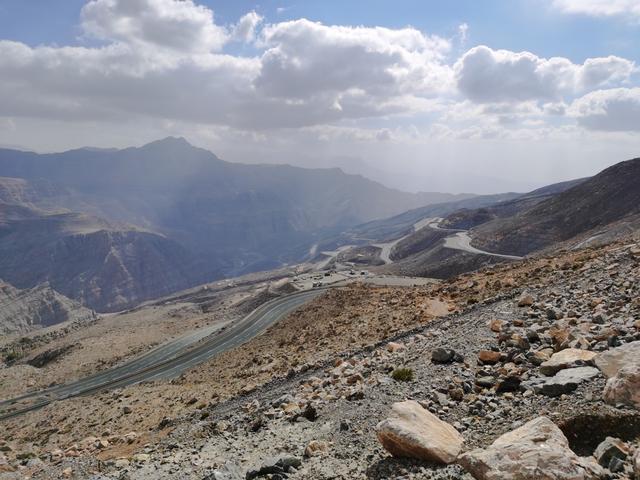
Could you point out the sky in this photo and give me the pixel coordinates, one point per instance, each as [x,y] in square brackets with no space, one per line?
[460,96]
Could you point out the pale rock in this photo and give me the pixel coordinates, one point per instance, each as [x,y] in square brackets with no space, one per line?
[536,451]
[525,300]
[411,431]
[495,325]
[394,347]
[568,358]
[316,448]
[624,388]
[611,361]
[141,457]
[122,463]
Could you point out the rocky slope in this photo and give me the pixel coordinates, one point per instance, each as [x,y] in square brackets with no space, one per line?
[537,350]
[591,205]
[555,216]
[24,310]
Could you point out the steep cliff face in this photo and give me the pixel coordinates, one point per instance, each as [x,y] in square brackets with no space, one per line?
[104,267]
[24,310]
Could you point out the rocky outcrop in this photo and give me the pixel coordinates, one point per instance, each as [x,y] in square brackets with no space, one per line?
[411,431]
[536,451]
[24,310]
[105,267]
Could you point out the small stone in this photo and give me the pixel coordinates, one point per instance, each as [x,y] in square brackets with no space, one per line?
[616,465]
[126,410]
[394,347]
[489,357]
[525,300]
[508,384]
[485,382]
[316,448]
[444,355]
[495,325]
[141,457]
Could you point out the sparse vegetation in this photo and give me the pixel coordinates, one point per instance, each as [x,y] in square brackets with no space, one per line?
[12,356]
[402,374]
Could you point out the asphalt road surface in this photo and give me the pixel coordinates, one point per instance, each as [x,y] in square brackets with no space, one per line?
[460,240]
[166,361]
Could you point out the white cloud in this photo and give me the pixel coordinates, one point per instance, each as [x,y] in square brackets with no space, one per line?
[179,25]
[599,7]
[485,75]
[600,72]
[304,58]
[463,32]
[308,73]
[245,29]
[611,110]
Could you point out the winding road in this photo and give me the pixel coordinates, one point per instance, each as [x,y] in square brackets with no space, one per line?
[167,361]
[460,240]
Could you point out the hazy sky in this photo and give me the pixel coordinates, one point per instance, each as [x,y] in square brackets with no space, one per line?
[464,95]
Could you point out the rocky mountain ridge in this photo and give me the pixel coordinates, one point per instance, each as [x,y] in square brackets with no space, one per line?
[144,222]
[38,307]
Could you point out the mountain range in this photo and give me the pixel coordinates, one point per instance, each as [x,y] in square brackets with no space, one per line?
[565,214]
[111,228]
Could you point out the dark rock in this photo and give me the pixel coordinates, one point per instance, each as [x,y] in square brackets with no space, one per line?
[49,356]
[280,466]
[310,413]
[445,355]
[508,384]
[609,449]
[485,382]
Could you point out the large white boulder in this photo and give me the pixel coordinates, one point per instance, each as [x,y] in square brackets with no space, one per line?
[414,432]
[611,361]
[536,451]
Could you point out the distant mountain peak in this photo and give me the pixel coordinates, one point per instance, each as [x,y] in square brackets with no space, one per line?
[169,142]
